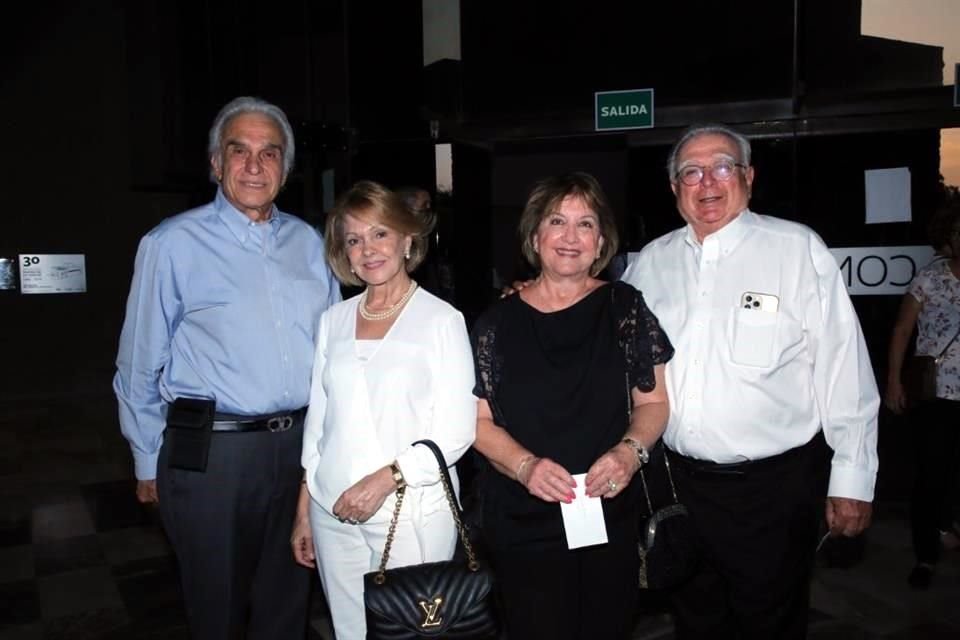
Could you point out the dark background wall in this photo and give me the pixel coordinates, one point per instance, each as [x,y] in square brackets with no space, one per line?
[68,122]
[106,107]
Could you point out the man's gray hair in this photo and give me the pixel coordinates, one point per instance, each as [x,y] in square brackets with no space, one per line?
[248,104]
[707,129]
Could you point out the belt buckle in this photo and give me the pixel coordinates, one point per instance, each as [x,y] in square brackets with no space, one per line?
[279,424]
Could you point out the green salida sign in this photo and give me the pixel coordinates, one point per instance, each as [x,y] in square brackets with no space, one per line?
[631,109]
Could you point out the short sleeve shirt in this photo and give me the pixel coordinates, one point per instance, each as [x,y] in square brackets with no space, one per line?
[938,292]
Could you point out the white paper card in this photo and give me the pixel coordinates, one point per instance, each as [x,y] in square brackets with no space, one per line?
[887,195]
[53,273]
[583,518]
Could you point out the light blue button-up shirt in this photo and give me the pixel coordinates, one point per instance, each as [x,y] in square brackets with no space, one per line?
[220,307]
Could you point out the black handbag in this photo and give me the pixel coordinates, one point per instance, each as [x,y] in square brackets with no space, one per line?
[669,554]
[667,546]
[920,376]
[448,599]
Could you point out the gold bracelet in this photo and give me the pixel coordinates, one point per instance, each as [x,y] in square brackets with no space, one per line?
[522,464]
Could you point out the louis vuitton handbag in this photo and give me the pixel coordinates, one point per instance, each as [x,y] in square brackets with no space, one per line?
[447,599]
[920,376]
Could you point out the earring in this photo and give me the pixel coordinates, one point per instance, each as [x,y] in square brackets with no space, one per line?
[407,253]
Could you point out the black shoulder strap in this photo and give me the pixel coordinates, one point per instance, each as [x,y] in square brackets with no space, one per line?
[441,462]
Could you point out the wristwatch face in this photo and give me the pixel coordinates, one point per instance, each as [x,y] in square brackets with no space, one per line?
[644,455]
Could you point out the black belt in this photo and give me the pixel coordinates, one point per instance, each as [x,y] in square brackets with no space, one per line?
[734,470]
[276,422]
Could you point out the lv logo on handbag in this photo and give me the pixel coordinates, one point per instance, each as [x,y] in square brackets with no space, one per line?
[443,599]
[431,610]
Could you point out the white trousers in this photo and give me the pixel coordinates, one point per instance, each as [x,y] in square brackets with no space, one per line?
[345,552]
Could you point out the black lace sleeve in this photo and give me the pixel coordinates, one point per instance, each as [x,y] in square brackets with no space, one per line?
[642,339]
[487,362]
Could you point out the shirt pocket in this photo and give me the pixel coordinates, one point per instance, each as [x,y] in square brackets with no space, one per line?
[754,336]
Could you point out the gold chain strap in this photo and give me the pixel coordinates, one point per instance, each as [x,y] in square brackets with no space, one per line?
[472,563]
[381,578]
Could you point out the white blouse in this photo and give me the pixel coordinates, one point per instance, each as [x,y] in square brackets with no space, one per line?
[370,400]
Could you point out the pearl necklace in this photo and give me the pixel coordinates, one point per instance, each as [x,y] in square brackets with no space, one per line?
[386,313]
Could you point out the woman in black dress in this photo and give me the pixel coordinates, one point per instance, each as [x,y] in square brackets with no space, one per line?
[570,381]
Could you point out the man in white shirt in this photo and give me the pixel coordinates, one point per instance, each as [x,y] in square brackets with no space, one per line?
[769,354]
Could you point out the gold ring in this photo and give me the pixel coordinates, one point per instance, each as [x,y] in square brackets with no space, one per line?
[612,485]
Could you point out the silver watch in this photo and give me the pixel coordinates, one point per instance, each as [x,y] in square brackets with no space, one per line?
[643,456]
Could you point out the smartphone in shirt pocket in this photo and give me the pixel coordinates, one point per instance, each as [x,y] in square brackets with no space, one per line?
[760,301]
[755,329]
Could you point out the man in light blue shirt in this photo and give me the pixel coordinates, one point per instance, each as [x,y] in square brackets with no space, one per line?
[224,306]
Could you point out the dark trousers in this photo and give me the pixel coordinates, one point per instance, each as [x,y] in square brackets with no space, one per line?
[581,594]
[758,532]
[230,528]
[936,436]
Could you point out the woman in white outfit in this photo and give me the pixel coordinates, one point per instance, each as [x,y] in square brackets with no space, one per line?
[393,365]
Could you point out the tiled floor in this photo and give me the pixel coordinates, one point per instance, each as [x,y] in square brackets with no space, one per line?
[81,559]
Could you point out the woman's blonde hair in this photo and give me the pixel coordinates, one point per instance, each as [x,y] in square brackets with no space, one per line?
[374,202]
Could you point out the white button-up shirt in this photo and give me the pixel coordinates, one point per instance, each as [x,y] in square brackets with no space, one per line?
[750,383]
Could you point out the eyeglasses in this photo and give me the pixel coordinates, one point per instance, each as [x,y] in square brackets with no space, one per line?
[692,174]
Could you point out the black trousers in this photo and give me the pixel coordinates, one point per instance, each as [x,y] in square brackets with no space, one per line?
[936,436]
[757,531]
[230,529]
[581,594]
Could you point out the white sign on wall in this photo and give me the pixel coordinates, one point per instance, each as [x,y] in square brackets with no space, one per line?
[887,195]
[880,270]
[52,273]
[8,274]
[876,270]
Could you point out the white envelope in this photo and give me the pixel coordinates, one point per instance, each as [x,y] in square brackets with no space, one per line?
[583,518]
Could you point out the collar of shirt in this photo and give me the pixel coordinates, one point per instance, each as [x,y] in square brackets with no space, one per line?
[239,224]
[723,241]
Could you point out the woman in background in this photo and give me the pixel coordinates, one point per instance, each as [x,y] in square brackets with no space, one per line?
[932,305]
